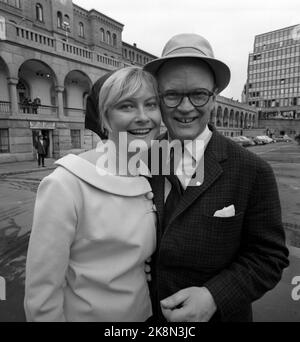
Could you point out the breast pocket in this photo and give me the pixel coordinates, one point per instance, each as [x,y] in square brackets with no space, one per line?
[207,242]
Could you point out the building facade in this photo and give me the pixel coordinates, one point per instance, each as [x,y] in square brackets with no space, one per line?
[233,118]
[51,52]
[273,82]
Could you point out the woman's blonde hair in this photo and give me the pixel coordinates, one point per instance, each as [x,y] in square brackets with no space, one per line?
[123,83]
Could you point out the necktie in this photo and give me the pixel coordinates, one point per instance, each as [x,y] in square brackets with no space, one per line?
[172,199]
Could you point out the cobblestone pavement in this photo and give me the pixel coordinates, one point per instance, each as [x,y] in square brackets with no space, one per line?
[17,198]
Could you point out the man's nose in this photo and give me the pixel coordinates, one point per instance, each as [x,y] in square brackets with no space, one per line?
[185,106]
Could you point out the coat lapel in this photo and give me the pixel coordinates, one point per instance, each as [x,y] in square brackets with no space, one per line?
[215,152]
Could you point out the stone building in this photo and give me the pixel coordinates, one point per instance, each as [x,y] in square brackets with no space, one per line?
[233,118]
[52,52]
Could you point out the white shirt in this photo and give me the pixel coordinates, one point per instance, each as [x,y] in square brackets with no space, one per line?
[189,160]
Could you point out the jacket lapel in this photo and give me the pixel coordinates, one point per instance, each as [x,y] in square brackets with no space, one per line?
[215,152]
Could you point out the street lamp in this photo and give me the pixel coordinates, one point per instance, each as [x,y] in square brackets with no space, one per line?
[66,27]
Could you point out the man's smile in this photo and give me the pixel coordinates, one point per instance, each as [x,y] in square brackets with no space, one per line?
[185,120]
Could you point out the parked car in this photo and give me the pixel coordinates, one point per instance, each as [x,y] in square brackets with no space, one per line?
[258,141]
[268,139]
[248,141]
[264,139]
[237,140]
[243,141]
[283,138]
[287,138]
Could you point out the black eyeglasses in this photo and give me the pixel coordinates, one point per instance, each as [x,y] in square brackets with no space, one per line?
[198,98]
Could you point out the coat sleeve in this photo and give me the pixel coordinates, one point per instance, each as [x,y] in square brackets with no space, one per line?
[263,254]
[53,230]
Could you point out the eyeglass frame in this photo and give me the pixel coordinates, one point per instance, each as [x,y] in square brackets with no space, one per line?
[187,94]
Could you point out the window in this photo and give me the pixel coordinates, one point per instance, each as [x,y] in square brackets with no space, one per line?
[59,20]
[39,12]
[114,39]
[75,138]
[102,36]
[108,38]
[4,141]
[18,3]
[81,30]
[66,23]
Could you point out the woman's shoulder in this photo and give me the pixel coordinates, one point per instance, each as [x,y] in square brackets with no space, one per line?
[85,168]
[91,156]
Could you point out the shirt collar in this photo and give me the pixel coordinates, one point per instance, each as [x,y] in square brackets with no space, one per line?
[197,153]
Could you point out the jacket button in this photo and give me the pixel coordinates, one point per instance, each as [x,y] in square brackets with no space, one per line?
[150,195]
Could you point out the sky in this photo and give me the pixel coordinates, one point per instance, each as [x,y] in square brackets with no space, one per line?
[229,25]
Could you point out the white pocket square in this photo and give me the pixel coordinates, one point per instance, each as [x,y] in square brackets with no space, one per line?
[225,212]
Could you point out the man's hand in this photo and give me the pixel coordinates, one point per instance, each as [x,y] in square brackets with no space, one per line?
[193,304]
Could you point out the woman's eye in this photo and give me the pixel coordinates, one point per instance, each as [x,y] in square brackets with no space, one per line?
[152,105]
[125,106]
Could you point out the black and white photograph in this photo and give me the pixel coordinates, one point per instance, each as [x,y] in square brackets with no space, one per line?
[150,163]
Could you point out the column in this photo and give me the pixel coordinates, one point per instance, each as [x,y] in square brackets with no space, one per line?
[60,101]
[12,85]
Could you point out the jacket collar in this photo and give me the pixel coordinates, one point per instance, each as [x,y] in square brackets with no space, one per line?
[84,167]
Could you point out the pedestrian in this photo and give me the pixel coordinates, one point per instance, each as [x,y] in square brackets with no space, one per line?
[25,105]
[93,229]
[41,150]
[35,105]
[220,239]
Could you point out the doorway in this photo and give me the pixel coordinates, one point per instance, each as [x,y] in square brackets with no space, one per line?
[47,135]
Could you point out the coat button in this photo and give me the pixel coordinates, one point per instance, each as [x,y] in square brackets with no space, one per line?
[198,183]
[150,195]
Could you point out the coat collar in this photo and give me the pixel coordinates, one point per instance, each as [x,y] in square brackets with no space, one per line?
[84,167]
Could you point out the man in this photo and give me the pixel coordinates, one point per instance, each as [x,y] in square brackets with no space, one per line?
[41,150]
[220,240]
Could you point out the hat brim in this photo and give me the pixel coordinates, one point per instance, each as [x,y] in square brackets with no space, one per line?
[220,69]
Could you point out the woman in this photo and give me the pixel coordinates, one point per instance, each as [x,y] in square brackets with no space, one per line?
[93,230]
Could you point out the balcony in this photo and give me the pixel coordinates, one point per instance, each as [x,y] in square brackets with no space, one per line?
[45,43]
[74,113]
[5,107]
[42,112]
[47,111]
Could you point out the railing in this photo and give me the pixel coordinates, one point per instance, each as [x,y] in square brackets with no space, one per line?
[42,110]
[77,50]
[31,38]
[74,112]
[107,60]
[35,37]
[5,107]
